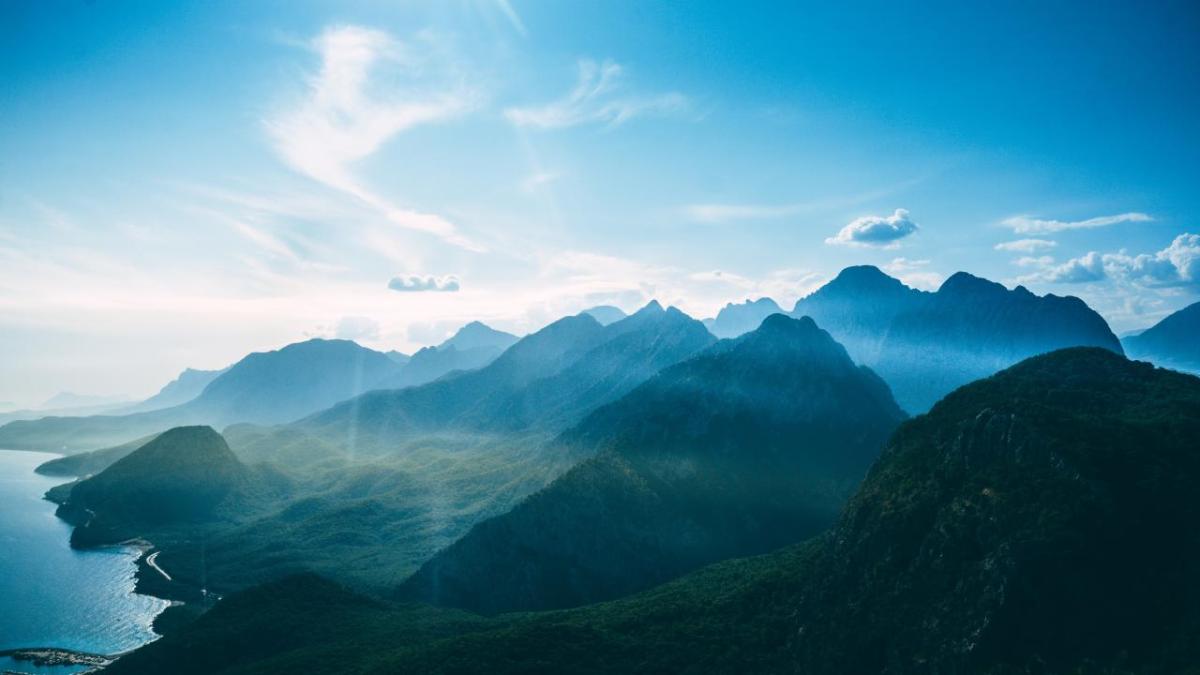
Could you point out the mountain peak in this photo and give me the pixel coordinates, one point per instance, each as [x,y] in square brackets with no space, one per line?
[478,334]
[651,307]
[605,314]
[965,283]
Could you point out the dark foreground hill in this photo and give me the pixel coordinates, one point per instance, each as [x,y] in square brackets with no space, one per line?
[1173,342]
[183,476]
[753,444]
[1040,521]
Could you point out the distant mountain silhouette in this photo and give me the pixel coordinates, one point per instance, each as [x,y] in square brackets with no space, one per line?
[474,346]
[734,320]
[545,381]
[750,445]
[927,344]
[605,314]
[187,386]
[1173,342]
[264,387]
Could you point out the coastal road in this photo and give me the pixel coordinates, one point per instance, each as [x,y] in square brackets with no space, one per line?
[150,560]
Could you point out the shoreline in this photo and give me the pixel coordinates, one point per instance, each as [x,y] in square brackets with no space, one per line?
[41,657]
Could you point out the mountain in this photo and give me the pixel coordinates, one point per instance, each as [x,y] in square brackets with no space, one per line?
[85,464]
[753,444]
[1173,342]
[858,308]
[605,314]
[182,389]
[734,320]
[1033,522]
[264,387]
[971,328]
[473,346]
[67,399]
[181,476]
[399,357]
[544,382]
[927,344]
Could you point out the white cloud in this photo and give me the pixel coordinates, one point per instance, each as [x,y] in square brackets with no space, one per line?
[1084,269]
[416,283]
[880,231]
[1175,265]
[1031,261]
[1026,245]
[343,117]
[1029,225]
[914,273]
[596,98]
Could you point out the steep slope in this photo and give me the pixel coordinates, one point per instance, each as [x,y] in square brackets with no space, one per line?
[1173,342]
[734,320]
[543,383]
[605,314]
[473,346]
[1040,520]
[858,307]
[927,344]
[971,328]
[85,464]
[181,476]
[265,388]
[182,389]
[753,444]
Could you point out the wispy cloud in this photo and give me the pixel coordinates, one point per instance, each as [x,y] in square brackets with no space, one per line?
[598,97]
[415,283]
[1026,245]
[915,273]
[506,8]
[878,231]
[1029,225]
[343,117]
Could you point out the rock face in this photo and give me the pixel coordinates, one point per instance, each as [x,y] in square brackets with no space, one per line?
[1173,342]
[1030,521]
[927,344]
[753,444]
[734,320]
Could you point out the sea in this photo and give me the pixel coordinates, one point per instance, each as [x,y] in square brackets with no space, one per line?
[52,595]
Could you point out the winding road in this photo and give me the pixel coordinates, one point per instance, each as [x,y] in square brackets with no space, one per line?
[150,560]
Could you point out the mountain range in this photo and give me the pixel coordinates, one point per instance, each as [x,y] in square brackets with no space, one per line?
[1173,342]
[927,344]
[751,444]
[1033,521]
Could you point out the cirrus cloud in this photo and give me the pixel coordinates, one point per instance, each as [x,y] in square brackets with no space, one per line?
[415,283]
[597,97]
[1026,245]
[877,231]
[1028,225]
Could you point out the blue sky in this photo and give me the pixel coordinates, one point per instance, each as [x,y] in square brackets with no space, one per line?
[182,184]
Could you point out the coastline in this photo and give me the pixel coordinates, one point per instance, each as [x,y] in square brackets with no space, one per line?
[42,656]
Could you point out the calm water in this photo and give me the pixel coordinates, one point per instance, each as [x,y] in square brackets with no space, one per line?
[51,595]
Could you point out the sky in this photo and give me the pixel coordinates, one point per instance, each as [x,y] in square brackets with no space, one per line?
[183,183]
